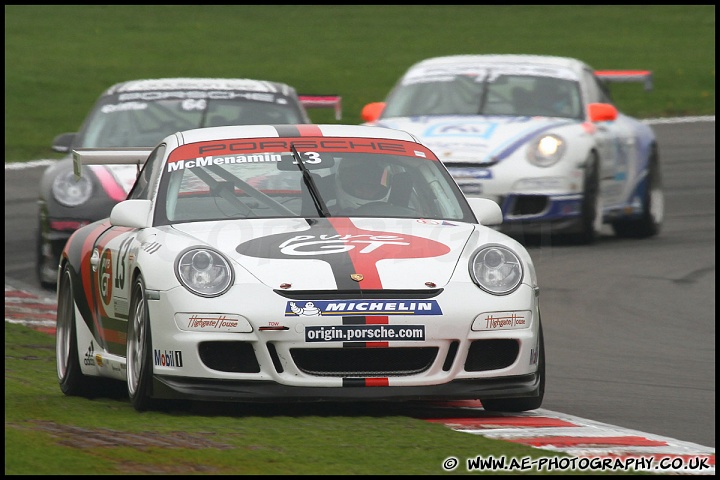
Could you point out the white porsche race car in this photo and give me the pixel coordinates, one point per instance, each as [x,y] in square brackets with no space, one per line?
[298,262]
[539,135]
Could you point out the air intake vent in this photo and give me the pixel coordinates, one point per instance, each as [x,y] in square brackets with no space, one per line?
[236,357]
[486,355]
[364,362]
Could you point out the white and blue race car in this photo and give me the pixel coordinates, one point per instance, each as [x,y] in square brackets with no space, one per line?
[539,135]
[295,263]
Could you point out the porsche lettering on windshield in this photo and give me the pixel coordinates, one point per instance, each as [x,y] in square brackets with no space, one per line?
[338,145]
[181,95]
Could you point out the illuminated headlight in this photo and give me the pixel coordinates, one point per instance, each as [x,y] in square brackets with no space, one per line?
[496,270]
[71,191]
[204,272]
[546,150]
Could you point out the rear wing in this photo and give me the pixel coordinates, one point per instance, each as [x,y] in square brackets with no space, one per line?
[109,156]
[644,76]
[323,101]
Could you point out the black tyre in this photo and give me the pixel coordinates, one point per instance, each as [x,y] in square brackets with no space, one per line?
[653,208]
[139,350]
[525,403]
[591,211]
[45,267]
[70,377]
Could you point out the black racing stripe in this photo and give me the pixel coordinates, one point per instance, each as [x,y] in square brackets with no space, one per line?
[354,320]
[353,382]
[287,130]
[340,263]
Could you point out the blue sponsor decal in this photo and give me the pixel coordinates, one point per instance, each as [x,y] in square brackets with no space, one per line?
[479,129]
[479,173]
[345,308]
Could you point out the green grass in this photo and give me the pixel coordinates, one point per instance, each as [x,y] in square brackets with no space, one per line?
[58,59]
[48,433]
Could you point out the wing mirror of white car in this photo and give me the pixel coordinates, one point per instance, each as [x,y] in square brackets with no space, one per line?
[131,213]
[487,211]
[372,111]
[602,112]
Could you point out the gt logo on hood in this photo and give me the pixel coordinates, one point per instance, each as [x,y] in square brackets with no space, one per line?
[346,248]
[342,237]
[327,244]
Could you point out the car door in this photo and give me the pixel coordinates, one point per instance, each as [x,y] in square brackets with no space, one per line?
[111,286]
[612,144]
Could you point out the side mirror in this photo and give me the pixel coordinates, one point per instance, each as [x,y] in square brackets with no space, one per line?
[132,214]
[602,112]
[62,142]
[372,111]
[486,211]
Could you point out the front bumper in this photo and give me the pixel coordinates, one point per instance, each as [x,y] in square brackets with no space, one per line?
[270,355]
[552,200]
[171,387]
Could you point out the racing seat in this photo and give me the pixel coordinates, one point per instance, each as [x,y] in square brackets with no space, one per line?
[400,190]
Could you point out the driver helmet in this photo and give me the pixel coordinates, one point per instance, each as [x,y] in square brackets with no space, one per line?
[362,180]
[550,93]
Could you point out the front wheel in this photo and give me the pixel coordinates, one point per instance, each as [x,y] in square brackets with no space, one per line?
[591,216]
[45,262]
[525,403]
[139,350]
[70,377]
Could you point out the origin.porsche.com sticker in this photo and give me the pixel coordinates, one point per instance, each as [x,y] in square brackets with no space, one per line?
[364,333]
[348,308]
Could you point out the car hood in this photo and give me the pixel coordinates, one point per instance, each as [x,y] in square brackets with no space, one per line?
[476,139]
[326,253]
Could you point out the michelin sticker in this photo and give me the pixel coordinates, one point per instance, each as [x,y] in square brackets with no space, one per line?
[346,308]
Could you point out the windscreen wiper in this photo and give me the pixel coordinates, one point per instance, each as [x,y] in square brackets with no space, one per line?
[310,183]
[483,97]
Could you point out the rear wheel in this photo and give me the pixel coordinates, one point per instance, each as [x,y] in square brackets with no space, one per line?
[70,377]
[525,403]
[139,350]
[653,208]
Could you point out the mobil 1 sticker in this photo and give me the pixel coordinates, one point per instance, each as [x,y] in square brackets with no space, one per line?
[364,333]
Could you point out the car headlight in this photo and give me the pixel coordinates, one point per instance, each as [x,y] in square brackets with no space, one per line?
[496,269]
[71,191]
[546,150]
[204,272]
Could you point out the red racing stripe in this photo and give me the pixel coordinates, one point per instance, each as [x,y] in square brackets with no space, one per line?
[377,382]
[309,131]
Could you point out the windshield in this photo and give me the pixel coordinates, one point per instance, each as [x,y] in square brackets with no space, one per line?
[486,92]
[342,177]
[143,121]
